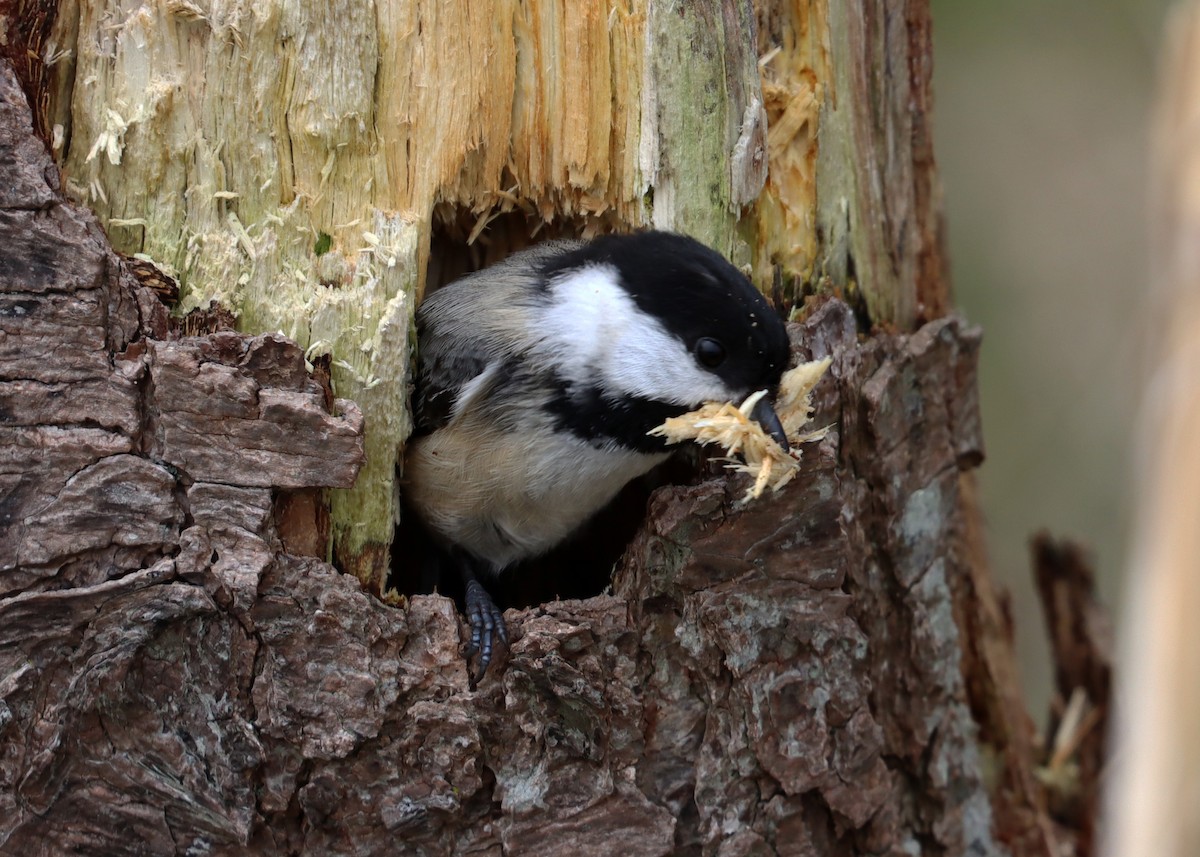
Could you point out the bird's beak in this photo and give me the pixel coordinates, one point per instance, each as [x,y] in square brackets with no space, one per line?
[764,414]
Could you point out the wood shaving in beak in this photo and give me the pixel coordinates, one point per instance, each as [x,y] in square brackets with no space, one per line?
[730,426]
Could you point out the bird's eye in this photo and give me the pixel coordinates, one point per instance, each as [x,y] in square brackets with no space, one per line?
[709,352]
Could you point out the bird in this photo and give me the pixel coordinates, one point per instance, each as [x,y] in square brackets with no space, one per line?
[538,380]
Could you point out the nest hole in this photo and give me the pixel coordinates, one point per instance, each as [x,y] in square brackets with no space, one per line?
[463,241]
[582,566]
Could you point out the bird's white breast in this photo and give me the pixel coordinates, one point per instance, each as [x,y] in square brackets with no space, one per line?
[505,496]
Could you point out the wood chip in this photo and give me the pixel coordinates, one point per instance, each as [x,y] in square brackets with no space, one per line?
[731,427]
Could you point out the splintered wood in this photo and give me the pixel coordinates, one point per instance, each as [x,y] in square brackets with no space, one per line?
[730,426]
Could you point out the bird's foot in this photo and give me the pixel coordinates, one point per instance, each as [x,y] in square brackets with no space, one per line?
[487,623]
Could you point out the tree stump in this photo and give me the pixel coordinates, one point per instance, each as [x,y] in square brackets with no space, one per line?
[827,671]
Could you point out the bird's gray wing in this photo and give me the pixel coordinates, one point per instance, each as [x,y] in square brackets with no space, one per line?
[471,332]
[446,365]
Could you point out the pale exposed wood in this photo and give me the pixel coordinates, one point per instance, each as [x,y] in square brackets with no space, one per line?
[800,96]
[1154,790]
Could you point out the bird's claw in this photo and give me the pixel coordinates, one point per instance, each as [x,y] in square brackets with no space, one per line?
[486,622]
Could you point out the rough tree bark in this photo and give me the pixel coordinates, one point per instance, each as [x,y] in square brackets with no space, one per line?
[826,672]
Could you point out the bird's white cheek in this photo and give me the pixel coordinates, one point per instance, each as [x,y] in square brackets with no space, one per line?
[595,334]
[655,365]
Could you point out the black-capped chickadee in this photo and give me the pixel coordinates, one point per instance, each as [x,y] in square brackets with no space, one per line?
[539,378]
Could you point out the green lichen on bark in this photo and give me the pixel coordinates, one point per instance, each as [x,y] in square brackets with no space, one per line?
[701,98]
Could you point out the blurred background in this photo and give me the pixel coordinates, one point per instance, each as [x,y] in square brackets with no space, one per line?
[1042,111]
